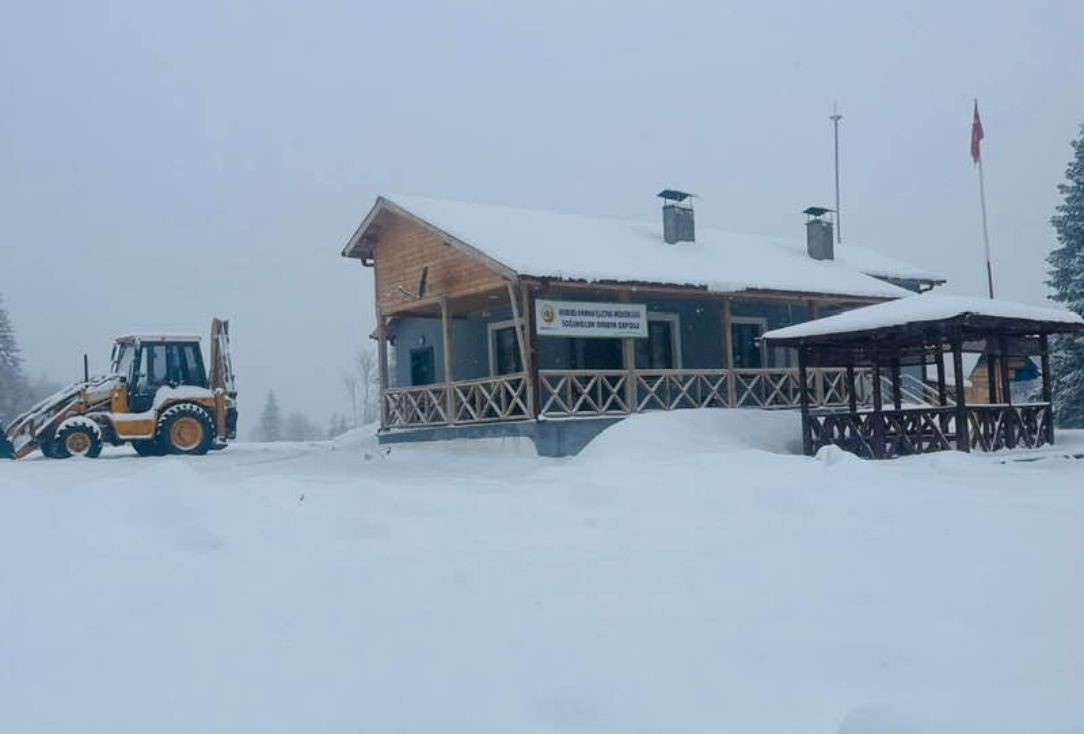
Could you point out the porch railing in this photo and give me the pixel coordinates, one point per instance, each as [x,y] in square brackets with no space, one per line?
[471,401]
[576,393]
[594,393]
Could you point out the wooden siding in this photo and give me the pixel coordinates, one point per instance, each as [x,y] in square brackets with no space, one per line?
[405,248]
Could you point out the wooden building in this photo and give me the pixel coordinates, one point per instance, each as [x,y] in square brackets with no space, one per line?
[493,315]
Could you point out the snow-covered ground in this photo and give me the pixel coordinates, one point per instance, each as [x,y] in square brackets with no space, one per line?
[684,574]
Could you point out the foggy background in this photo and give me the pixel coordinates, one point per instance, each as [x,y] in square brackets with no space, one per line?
[164,163]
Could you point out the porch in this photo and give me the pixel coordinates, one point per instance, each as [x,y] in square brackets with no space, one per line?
[480,359]
[606,393]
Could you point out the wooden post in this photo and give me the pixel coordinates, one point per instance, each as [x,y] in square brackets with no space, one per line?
[382,366]
[628,359]
[897,394]
[942,392]
[521,341]
[963,440]
[1006,392]
[991,378]
[1048,393]
[532,349]
[852,398]
[1044,356]
[818,374]
[803,399]
[446,334]
[877,417]
[728,354]
[1006,378]
[628,362]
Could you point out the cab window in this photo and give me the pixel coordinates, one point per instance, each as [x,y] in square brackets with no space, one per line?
[153,367]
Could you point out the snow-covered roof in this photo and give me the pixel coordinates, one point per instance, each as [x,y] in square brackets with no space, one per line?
[157,338]
[574,247]
[923,308]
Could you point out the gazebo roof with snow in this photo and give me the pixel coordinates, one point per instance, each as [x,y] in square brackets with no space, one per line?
[920,317]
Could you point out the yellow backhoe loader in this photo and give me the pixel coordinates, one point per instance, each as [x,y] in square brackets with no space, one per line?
[158,397]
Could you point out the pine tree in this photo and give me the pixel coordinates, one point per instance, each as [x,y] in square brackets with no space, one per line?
[1067,280]
[13,385]
[299,427]
[270,420]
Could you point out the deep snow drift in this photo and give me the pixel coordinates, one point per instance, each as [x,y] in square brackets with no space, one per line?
[684,574]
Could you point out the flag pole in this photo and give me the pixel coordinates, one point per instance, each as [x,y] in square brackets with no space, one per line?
[985,233]
[977,153]
[835,118]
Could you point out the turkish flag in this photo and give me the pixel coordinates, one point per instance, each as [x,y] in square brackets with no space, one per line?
[976,136]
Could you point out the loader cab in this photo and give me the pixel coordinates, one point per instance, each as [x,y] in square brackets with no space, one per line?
[149,363]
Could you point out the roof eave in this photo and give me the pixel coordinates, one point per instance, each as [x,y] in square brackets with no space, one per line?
[356,246]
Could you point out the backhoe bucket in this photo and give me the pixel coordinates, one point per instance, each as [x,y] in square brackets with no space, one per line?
[7,451]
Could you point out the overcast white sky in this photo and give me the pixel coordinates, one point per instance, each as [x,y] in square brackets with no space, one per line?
[163,163]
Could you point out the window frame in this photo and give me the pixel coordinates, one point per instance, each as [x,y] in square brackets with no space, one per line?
[762,322]
[491,342]
[674,319]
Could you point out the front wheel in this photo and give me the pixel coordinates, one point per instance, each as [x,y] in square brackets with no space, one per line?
[79,439]
[185,429]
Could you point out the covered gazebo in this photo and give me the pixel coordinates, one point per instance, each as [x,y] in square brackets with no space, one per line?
[893,409]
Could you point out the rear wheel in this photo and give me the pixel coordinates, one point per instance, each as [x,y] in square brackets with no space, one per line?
[185,429]
[76,440]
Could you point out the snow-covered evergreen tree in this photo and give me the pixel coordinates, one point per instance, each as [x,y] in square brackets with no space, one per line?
[13,385]
[1067,280]
[299,427]
[270,428]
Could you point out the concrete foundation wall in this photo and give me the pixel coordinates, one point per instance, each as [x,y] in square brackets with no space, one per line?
[553,438]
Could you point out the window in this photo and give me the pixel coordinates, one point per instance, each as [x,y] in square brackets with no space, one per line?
[596,354]
[504,356]
[122,360]
[662,348]
[745,337]
[186,365]
[422,370]
[153,367]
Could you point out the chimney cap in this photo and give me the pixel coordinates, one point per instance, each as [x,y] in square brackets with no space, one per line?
[673,195]
[817,211]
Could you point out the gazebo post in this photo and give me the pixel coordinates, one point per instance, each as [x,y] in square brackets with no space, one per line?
[1006,380]
[1006,391]
[942,393]
[803,399]
[963,441]
[991,376]
[852,398]
[1048,393]
[877,418]
[897,396]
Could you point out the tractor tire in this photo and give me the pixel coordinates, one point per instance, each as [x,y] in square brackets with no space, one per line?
[75,440]
[47,449]
[185,429]
[148,447]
